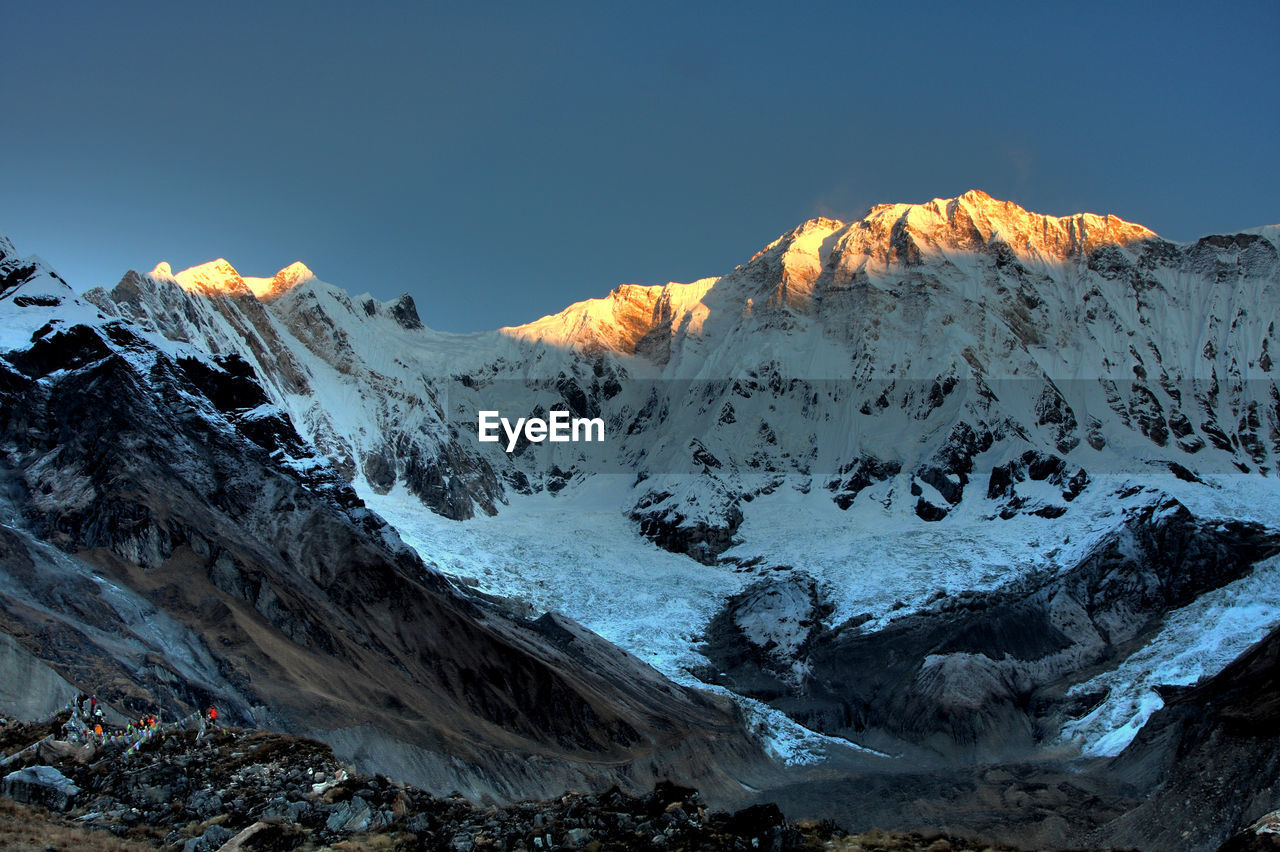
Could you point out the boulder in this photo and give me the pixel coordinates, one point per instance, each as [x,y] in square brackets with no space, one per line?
[41,785]
[214,838]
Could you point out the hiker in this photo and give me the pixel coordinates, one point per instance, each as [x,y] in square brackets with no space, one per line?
[213,715]
[97,730]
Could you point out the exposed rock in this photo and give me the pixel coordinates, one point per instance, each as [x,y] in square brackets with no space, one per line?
[762,635]
[213,840]
[41,785]
[972,675]
[854,477]
[254,773]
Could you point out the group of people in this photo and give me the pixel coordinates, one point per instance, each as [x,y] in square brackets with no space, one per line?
[146,723]
[88,713]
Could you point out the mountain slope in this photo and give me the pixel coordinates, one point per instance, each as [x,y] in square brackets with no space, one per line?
[982,436]
[170,540]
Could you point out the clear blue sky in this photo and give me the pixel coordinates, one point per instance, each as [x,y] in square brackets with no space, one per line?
[499,161]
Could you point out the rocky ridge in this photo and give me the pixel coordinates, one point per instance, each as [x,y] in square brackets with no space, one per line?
[980,330]
[199,790]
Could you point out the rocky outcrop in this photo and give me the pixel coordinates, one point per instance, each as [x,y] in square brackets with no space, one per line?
[250,789]
[856,476]
[40,785]
[661,517]
[760,639]
[982,675]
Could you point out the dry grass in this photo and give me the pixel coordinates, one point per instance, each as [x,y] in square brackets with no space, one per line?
[27,829]
[891,841]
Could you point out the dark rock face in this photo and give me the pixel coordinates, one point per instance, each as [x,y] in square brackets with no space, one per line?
[1002,486]
[856,476]
[405,312]
[760,633]
[453,484]
[948,470]
[662,522]
[975,675]
[1211,757]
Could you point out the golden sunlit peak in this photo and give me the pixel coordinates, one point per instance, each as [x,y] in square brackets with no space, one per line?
[282,282]
[294,274]
[975,219]
[217,277]
[220,278]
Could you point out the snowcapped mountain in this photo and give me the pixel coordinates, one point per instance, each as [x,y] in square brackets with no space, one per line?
[167,540]
[1087,340]
[953,480]
[960,356]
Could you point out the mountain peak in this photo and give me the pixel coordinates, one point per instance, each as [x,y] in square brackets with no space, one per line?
[215,278]
[804,238]
[220,278]
[282,282]
[975,219]
[294,274]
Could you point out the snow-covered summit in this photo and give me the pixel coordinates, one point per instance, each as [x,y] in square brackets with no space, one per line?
[970,222]
[34,300]
[620,321]
[217,277]
[220,278]
[975,219]
[823,255]
[293,275]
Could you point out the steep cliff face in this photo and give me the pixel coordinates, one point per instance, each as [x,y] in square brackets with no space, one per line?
[170,540]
